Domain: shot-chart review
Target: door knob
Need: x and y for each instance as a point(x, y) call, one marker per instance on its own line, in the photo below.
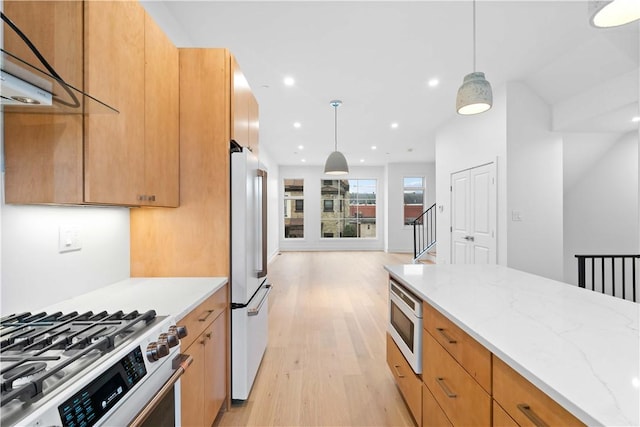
point(469, 238)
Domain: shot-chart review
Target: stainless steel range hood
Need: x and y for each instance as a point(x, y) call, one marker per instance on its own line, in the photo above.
point(28, 89)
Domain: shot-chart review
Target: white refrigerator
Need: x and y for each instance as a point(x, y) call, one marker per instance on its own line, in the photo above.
point(249, 286)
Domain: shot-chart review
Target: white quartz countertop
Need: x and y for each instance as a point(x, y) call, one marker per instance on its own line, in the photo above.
point(174, 296)
point(580, 347)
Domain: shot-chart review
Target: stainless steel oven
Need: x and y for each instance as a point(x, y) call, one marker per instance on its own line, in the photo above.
point(405, 323)
point(91, 369)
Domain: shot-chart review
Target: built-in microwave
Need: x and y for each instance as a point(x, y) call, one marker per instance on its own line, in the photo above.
point(405, 323)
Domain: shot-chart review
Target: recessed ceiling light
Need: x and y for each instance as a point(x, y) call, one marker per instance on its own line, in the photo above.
point(297, 125)
point(433, 82)
point(636, 119)
point(394, 125)
point(373, 147)
point(304, 160)
point(289, 81)
point(300, 147)
point(361, 160)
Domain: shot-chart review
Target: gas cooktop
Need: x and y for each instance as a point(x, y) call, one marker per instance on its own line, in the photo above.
point(41, 352)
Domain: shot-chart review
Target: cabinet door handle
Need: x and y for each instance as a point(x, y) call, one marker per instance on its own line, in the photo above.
point(202, 319)
point(528, 412)
point(398, 371)
point(208, 335)
point(444, 388)
point(446, 336)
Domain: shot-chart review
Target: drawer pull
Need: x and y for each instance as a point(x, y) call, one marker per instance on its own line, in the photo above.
point(528, 412)
point(446, 389)
point(446, 336)
point(398, 371)
point(202, 319)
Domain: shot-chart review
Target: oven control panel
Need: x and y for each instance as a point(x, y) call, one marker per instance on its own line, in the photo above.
point(87, 406)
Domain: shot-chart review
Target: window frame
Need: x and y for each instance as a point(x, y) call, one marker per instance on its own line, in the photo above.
point(423, 188)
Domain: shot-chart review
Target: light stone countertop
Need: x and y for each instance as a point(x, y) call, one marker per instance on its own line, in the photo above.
point(174, 296)
point(580, 347)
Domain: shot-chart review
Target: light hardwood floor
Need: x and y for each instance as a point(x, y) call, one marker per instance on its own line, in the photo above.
point(325, 363)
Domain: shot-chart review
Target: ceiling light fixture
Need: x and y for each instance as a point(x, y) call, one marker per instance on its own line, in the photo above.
point(474, 96)
point(433, 82)
point(636, 119)
point(297, 125)
point(336, 162)
point(373, 147)
point(394, 125)
point(300, 147)
point(613, 13)
point(289, 81)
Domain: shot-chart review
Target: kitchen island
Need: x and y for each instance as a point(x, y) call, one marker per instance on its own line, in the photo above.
point(580, 348)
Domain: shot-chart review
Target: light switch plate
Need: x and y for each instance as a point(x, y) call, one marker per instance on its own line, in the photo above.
point(69, 238)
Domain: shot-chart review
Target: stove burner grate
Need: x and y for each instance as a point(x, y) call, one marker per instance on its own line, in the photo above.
point(28, 341)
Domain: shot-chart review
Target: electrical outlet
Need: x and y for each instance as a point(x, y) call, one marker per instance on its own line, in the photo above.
point(69, 238)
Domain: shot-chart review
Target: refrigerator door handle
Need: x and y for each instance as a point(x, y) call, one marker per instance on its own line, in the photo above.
point(262, 222)
point(254, 311)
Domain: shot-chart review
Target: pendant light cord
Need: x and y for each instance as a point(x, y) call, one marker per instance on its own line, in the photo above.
point(474, 36)
point(335, 109)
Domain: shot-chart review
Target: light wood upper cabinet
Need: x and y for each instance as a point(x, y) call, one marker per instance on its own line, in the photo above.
point(254, 126)
point(161, 116)
point(116, 53)
point(44, 152)
point(194, 239)
point(114, 72)
point(244, 110)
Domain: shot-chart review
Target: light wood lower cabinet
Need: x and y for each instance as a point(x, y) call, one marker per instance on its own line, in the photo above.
point(526, 403)
point(462, 399)
point(432, 413)
point(408, 382)
point(501, 418)
point(203, 387)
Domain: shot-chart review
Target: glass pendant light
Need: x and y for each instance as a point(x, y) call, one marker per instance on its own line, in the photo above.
point(336, 162)
point(475, 95)
point(612, 13)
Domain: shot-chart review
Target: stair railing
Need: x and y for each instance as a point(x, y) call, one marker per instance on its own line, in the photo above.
point(615, 275)
point(424, 232)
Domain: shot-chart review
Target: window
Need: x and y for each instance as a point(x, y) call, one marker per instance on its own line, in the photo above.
point(356, 213)
point(293, 208)
point(413, 203)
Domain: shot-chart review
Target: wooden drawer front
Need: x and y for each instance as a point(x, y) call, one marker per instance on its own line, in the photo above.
point(432, 414)
point(200, 317)
point(468, 352)
point(524, 402)
point(408, 382)
point(501, 418)
point(463, 400)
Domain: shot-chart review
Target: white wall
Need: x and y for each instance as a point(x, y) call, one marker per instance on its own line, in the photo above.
point(601, 208)
point(465, 142)
point(35, 274)
point(535, 189)
point(400, 236)
point(313, 175)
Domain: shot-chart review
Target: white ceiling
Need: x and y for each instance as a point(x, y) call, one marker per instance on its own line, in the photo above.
point(377, 57)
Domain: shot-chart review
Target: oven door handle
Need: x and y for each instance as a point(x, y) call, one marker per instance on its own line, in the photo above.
point(182, 361)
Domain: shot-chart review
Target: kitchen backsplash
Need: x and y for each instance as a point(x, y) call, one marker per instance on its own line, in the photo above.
point(34, 271)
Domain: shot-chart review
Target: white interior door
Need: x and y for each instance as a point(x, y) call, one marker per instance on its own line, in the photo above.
point(473, 216)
